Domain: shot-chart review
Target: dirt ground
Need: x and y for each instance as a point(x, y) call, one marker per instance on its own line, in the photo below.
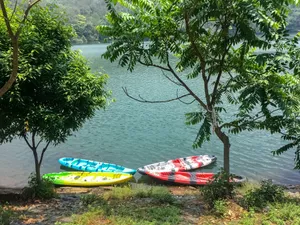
point(60, 209)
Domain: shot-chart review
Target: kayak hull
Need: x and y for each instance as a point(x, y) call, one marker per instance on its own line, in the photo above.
point(87, 179)
point(179, 164)
point(189, 178)
point(93, 166)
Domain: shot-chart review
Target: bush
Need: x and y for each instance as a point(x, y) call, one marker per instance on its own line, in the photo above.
point(220, 207)
point(5, 216)
point(260, 197)
point(219, 188)
point(43, 190)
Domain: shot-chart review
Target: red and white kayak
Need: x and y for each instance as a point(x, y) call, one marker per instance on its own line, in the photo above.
point(179, 164)
point(190, 178)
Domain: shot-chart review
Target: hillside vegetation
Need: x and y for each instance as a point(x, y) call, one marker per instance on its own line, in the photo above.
point(85, 15)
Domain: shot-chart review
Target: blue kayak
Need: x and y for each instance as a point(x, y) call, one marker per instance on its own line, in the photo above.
point(93, 166)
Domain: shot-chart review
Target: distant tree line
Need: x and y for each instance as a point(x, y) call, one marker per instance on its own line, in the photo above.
point(85, 15)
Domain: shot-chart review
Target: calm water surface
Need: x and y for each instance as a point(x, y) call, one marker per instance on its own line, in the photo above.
point(134, 134)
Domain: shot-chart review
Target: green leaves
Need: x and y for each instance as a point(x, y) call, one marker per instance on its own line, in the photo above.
point(240, 51)
point(56, 91)
point(203, 133)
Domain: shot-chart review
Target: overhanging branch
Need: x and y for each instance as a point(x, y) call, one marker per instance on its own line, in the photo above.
point(141, 99)
point(154, 65)
point(173, 81)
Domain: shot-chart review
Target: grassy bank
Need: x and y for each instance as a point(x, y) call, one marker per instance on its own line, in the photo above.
point(143, 204)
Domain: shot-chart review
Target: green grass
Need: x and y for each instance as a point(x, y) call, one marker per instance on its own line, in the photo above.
point(155, 205)
point(278, 213)
point(159, 194)
point(119, 206)
point(128, 213)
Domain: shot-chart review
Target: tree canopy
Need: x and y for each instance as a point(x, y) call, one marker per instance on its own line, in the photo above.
point(55, 92)
point(238, 52)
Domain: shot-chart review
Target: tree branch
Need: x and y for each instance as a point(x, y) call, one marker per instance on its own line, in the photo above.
point(186, 87)
point(252, 118)
point(43, 152)
point(38, 143)
point(15, 8)
point(201, 59)
point(25, 138)
point(141, 99)
point(6, 20)
point(33, 139)
point(25, 16)
point(214, 93)
point(187, 103)
point(179, 84)
point(154, 65)
point(15, 45)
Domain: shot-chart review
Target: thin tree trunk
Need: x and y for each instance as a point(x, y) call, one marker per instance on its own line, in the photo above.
point(225, 140)
point(37, 166)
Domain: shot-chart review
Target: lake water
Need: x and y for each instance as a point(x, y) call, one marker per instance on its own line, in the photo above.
point(133, 134)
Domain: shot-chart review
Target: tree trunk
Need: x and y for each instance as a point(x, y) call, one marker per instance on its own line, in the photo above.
point(37, 166)
point(15, 66)
point(225, 140)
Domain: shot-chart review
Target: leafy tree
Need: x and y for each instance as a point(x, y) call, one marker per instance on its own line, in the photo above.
point(213, 41)
point(13, 32)
point(55, 91)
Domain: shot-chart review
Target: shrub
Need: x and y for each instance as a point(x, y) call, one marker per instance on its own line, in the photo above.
point(260, 197)
point(220, 207)
point(5, 216)
point(40, 190)
point(219, 188)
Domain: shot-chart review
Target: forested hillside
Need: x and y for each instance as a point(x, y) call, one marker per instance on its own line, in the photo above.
point(85, 15)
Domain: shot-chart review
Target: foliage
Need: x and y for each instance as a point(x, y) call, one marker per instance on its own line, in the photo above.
point(55, 92)
point(260, 197)
point(247, 186)
point(83, 16)
point(279, 213)
point(284, 213)
point(39, 190)
point(238, 51)
point(220, 207)
point(218, 189)
point(158, 194)
point(6, 215)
